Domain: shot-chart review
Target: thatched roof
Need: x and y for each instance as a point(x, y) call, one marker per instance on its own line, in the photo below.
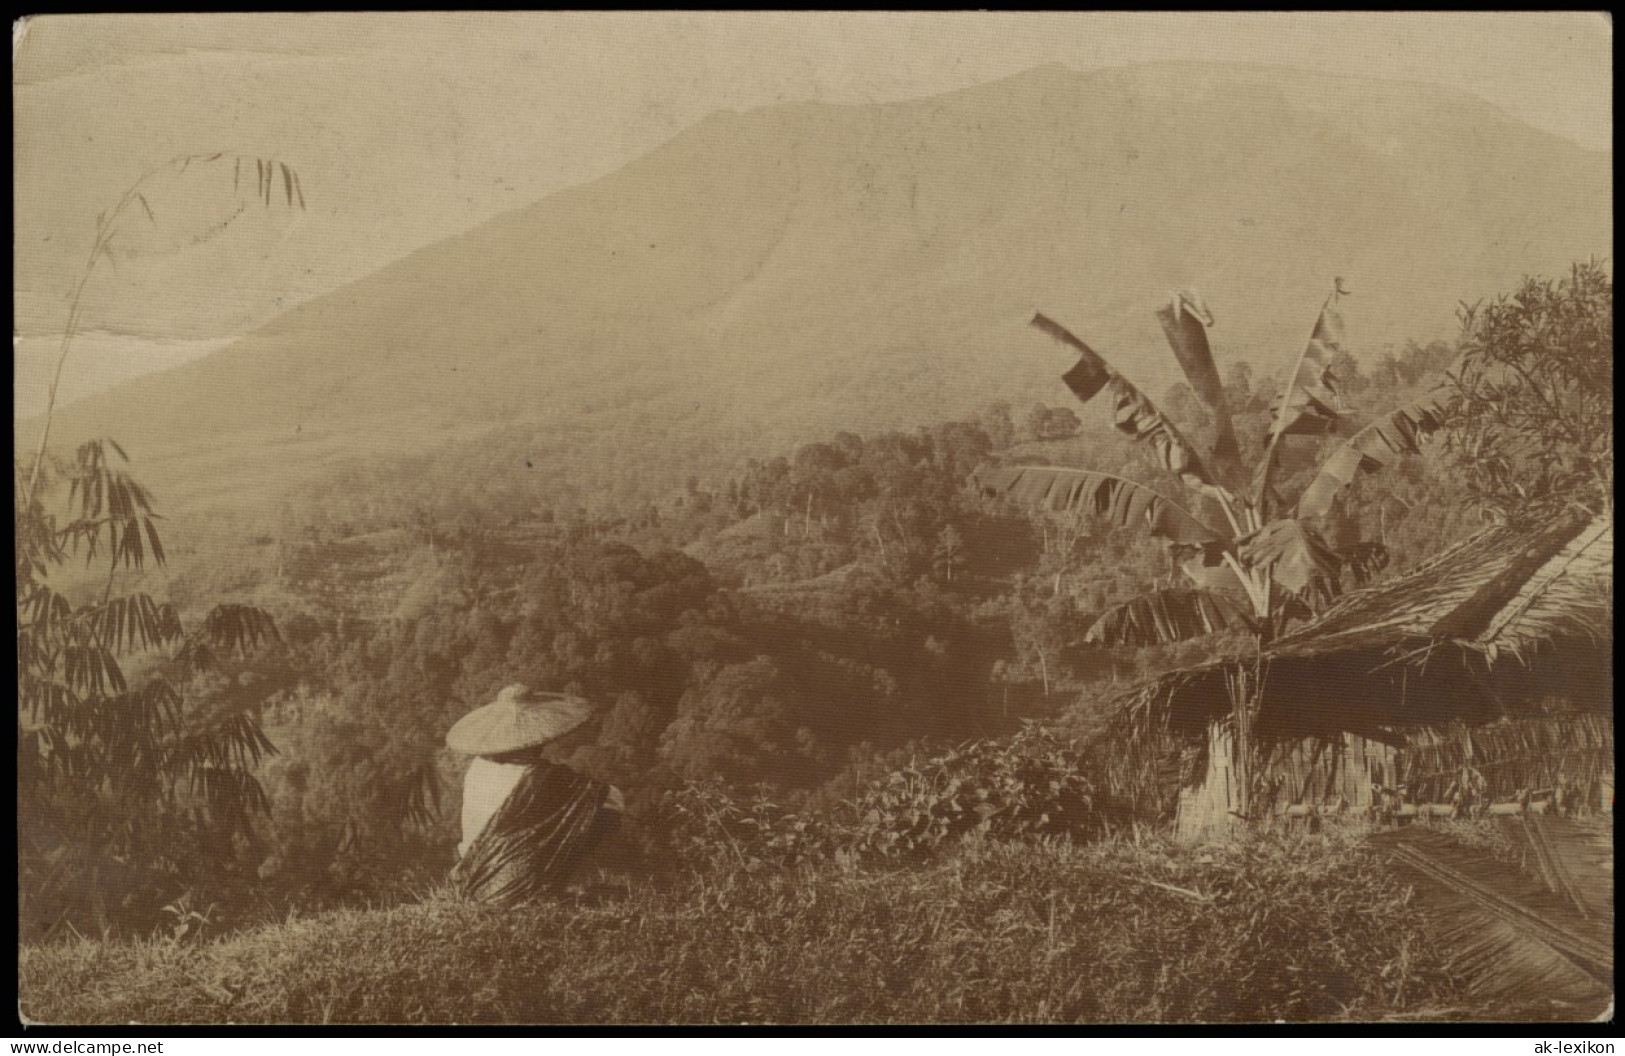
point(1503, 590)
point(1433, 645)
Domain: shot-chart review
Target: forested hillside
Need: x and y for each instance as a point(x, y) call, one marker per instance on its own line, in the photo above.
point(800, 628)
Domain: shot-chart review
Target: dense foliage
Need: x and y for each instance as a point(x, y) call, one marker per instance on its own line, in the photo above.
point(1534, 417)
point(789, 650)
point(136, 738)
point(1029, 786)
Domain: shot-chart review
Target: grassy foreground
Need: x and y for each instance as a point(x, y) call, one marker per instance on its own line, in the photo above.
point(1275, 927)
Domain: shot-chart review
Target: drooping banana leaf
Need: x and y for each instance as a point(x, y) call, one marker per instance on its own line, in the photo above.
point(1297, 558)
point(1162, 616)
point(1396, 434)
point(1209, 571)
point(1183, 324)
point(1309, 405)
point(1310, 400)
point(1121, 503)
point(1132, 412)
point(1092, 371)
point(1136, 416)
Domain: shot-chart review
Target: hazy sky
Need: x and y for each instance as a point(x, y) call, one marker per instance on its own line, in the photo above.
point(410, 128)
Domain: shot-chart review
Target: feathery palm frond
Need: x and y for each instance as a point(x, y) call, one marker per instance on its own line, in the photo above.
point(1574, 861)
point(1509, 936)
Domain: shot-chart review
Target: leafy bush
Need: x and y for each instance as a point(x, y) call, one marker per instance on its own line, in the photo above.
point(1533, 419)
point(1031, 785)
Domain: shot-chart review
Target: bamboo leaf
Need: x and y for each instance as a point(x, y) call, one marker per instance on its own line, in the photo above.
point(1121, 503)
point(143, 200)
point(238, 628)
point(152, 540)
point(299, 191)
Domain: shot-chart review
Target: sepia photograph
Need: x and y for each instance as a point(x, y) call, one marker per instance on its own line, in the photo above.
point(814, 519)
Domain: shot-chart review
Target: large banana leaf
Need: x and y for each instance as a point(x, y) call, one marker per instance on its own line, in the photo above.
point(1163, 616)
point(1209, 571)
point(1309, 406)
point(1132, 412)
point(1310, 401)
point(1183, 324)
point(1121, 503)
point(1386, 440)
point(1297, 558)
point(1136, 416)
point(1092, 371)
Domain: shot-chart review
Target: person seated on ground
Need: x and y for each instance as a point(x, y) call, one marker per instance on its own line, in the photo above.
point(529, 823)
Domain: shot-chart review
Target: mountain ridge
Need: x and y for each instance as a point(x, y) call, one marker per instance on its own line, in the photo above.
point(805, 267)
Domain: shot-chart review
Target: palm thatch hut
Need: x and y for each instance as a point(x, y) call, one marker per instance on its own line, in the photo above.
point(1484, 675)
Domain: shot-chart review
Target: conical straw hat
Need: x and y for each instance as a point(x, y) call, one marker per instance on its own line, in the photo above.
point(518, 719)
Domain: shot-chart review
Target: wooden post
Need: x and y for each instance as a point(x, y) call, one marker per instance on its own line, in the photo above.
point(1241, 746)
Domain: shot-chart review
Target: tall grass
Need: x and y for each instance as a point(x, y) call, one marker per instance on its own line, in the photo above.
point(1301, 928)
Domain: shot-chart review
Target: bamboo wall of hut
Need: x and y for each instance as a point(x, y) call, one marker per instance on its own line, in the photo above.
point(1483, 677)
point(1564, 760)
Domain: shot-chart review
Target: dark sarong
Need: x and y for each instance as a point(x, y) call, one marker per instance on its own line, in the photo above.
point(544, 829)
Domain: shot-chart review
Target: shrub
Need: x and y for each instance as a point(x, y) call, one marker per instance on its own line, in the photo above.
point(1031, 785)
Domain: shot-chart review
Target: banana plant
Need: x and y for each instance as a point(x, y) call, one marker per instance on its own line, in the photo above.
point(1247, 542)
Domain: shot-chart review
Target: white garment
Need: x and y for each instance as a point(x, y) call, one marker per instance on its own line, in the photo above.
point(488, 785)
